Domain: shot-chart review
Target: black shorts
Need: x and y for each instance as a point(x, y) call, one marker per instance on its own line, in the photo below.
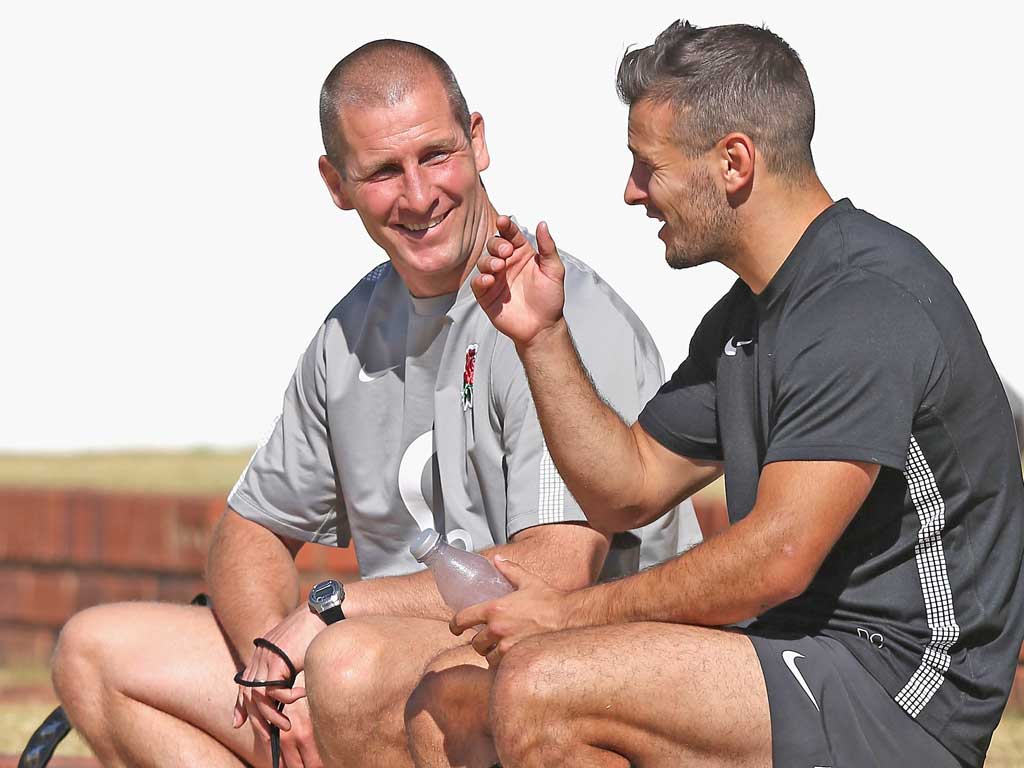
point(828, 712)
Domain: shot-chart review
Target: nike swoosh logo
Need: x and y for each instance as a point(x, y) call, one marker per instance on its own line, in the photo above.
point(790, 658)
point(367, 377)
point(730, 347)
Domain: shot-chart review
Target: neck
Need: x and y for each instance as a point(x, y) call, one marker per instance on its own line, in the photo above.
point(770, 231)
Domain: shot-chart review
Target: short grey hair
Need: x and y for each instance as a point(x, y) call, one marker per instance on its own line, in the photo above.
point(382, 73)
point(724, 79)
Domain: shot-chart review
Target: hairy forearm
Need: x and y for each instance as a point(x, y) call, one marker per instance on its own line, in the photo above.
point(252, 579)
point(594, 450)
point(566, 555)
point(728, 578)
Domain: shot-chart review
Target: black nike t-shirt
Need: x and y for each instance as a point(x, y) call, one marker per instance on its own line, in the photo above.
point(862, 349)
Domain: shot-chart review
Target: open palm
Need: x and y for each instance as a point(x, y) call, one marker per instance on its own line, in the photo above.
point(519, 288)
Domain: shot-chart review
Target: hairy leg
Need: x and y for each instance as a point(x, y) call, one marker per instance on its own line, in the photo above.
point(633, 694)
point(446, 716)
point(151, 684)
point(359, 674)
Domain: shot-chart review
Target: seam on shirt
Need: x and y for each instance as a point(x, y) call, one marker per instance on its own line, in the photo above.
point(301, 533)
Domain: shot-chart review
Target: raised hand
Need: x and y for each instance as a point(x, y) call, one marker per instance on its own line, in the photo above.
point(534, 608)
point(520, 289)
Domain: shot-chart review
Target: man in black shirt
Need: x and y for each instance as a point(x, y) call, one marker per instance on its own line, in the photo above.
point(873, 483)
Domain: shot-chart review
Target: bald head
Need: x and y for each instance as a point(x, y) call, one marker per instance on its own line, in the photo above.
point(381, 74)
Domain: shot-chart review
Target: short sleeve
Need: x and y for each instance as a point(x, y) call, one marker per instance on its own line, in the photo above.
point(683, 415)
point(289, 486)
point(852, 371)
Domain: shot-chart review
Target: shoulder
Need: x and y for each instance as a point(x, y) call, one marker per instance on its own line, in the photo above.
point(856, 315)
point(356, 301)
point(595, 310)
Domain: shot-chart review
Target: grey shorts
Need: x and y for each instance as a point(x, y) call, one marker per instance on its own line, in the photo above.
point(828, 712)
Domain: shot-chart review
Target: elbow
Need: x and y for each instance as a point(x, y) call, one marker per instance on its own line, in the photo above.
point(788, 577)
point(611, 520)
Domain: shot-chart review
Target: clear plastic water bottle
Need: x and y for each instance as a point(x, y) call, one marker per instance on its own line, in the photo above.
point(463, 578)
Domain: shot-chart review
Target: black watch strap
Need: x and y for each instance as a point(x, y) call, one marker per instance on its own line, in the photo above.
point(332, 614)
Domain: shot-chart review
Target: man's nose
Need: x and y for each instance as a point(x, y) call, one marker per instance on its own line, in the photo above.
point(419, 196)
point(634, 193)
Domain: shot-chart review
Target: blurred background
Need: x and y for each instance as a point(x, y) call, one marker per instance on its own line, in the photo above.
point(168, 247)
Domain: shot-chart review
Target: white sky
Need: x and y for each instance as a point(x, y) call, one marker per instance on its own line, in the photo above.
point(168, 248)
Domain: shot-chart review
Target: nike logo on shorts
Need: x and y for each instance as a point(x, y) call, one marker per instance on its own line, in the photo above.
point(790, 658)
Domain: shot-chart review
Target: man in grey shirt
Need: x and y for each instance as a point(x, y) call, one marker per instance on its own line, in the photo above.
point(407, 410)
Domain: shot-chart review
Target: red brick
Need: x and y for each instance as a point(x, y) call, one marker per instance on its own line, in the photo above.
point(38, 597)
point(84, 512)
point(33, 525)
point(97, 588)
point(25, 645)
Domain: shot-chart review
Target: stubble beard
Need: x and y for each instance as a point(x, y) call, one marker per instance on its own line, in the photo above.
point(709, 232)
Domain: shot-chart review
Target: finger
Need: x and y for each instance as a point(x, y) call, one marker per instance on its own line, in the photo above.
point(499, 247)
point(286, 695)
point(469, 617)
point(291, 755)
point(509, 230)
point(518, 576)
point(549, 258)
point(239, 714)
point(484, 642)
point(259, 727)
point(268, 711)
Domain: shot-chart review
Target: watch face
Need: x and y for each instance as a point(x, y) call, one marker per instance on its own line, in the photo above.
point(326, 594)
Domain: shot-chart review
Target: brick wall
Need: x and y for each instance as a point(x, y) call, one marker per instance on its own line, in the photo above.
point(64, 550)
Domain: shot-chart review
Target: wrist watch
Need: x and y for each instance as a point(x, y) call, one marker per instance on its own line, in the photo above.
point(325, 601)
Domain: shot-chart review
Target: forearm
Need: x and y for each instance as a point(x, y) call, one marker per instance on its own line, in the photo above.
point(729, 578)
point(594, 450)
point(567, 556)
point(252, 579)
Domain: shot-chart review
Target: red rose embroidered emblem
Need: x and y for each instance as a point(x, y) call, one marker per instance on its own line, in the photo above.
point(467, 377)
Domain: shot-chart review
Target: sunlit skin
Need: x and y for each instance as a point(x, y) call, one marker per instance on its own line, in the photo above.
point(413, 177)
point(677, 189)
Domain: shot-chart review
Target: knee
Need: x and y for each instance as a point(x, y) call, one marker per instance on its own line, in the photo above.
point(346, 662)
point(447, 715)
point(440, 696)
point(529, 681)
point(79, 666)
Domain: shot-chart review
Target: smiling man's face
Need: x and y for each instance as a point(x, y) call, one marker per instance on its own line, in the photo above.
point(677, 189)
point(413, 176)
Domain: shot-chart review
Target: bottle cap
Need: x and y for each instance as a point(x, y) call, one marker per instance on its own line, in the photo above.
point(423, 543)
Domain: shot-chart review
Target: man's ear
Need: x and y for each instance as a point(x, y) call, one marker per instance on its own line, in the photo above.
point(479, 142)
point(332, 178)
point(738, 155)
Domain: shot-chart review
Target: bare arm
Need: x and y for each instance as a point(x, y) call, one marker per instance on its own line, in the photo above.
point(769, 557)
point(252, 578)
point(619, 475)
point(567, 555)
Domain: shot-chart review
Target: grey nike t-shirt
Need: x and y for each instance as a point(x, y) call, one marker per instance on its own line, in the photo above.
point(407, 413)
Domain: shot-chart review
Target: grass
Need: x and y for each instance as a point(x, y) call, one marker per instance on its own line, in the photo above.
point(194, 471)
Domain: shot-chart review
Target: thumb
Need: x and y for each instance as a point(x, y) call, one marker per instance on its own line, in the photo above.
point(286, 695)
point(518, 576)
point(549, 258)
